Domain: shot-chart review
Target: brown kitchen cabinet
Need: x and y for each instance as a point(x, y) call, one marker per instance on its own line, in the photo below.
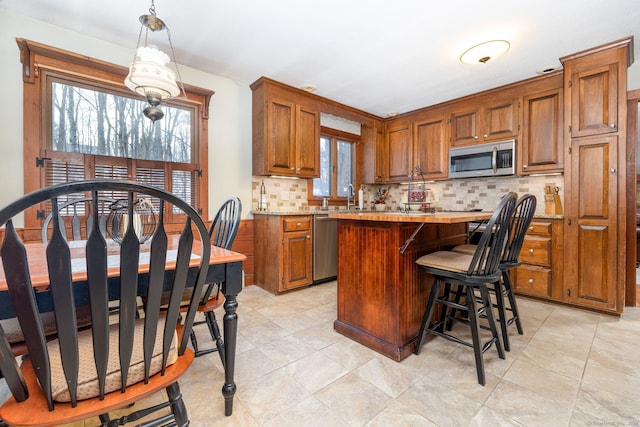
point(286, 131)
point(283, 252)
point(399, 149)
point(373, 154)
point(431, 142)
point(595, 235)
point(542, 135)
point(540, 274)
point(476, 121)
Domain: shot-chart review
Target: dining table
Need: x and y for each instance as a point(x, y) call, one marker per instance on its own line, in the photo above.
point(225, 267)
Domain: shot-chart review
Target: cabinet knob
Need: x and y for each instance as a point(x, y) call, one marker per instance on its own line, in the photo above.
point(308, 237)
point(524, 166)
point(531, 251)
point(485, 135)
point(612, 170)
point(298, 224)
point(530, 280)
point(475, 137)
point(612, 125)
point(292, 168)
point(531, 228)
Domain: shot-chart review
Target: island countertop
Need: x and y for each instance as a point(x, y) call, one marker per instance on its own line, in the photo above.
point(434, 218)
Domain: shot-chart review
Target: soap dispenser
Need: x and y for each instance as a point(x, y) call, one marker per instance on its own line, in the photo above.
point(361, 198)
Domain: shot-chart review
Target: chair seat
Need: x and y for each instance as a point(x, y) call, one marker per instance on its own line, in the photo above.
point(88, 378)
point(33, 411)
point(465, 249)
point(446, 260)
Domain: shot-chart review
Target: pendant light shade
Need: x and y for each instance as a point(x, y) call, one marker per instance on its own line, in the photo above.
point(149, 74)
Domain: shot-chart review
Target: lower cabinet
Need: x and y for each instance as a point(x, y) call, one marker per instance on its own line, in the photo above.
point(283, 251)
point(540, 274)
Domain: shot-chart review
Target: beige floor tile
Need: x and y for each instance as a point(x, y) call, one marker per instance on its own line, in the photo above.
point(614, 381)
point(612, 408)
point(439, 403)
point(353, 400)
point(315, 372)
point(309, 413)
point(271, 394)
point(388, 375)
point(527, 407)
point(542, 381)
point(396, 414)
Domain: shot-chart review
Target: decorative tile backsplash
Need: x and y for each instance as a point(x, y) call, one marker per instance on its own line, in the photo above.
point(286, 195)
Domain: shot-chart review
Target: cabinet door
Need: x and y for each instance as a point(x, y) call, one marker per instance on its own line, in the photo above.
point(591, 232)
point(281, 155)
point(432, 147)
point(382, 157)
point(400, 151)
point(542, 136)
point(307, 142)
point(500, 120)
point(297, 259)
point(464, 127)
point(594, 101)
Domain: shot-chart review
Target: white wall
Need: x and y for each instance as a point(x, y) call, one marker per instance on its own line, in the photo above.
point(229, 114)
point(633, 75)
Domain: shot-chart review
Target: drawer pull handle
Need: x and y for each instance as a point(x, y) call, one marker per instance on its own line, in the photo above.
point(531, 251)
point(530, 280)
point(298, 224)
point(531, 228)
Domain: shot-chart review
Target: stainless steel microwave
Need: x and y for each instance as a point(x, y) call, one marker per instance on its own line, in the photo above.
point(492, 159)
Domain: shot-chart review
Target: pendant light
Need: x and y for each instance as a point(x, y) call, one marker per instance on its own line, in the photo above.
point(149, 73)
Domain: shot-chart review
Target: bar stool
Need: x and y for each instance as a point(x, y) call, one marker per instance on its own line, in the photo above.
point(468, 273)
point(503, 289)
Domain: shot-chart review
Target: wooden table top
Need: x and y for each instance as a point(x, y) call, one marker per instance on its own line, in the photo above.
point(36, 253)
point(435, 218)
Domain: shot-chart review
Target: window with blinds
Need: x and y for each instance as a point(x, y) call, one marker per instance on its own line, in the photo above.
point(106, 136)
point(82, 122)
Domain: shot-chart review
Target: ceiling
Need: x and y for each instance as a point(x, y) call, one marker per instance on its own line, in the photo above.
point(378, 56)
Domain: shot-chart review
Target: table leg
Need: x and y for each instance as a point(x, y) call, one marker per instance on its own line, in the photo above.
point(231, 288)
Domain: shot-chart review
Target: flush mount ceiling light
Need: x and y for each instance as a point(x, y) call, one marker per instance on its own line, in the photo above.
point(308, 87)
point(485, 52)
point(149, 75)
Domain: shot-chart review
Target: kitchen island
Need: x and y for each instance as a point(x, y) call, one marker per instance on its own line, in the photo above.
point(381, 292)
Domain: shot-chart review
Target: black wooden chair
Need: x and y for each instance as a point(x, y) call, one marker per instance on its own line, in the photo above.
point(121, 358)
point(503, 288)
point(468, 273)
point(223, 232)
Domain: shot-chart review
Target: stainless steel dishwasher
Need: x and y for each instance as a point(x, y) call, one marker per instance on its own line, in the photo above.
point(325, 248)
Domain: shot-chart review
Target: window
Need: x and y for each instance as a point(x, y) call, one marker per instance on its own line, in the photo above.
point(86, 124)
point(337, 164)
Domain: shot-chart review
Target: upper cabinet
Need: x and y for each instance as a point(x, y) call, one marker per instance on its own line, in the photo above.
point(476, 121)
point(594, 97)
point(431, 142)
point(542, 139)
point(286, 132)
point(399, 149)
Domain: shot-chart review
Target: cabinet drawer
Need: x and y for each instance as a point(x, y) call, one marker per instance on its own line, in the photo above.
point(533, 280)
point(297, 223)
point(540, 228)
point(536, 250)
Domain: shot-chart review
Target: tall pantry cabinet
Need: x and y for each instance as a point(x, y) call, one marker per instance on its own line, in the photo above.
point(595, 85)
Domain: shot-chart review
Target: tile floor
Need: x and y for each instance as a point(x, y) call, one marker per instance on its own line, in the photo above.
point(570, 368)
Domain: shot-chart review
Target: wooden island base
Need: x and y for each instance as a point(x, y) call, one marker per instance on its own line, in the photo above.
point(381, 292)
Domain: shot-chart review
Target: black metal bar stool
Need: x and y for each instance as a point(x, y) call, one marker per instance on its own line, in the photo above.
point(469, 273)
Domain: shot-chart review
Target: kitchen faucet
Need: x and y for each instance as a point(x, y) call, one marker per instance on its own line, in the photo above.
point(350, 193)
